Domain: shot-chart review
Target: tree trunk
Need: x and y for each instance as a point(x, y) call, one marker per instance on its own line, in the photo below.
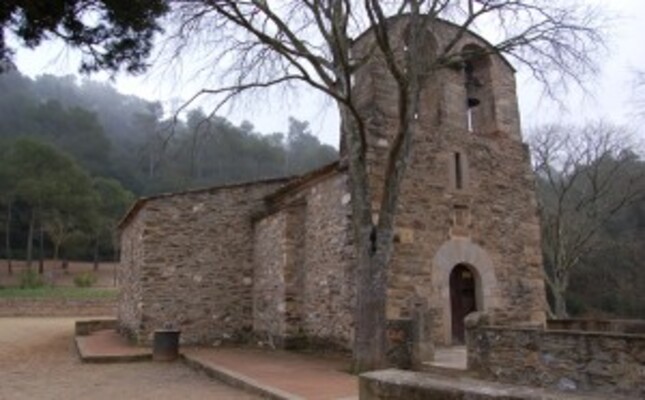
point(114, 275)
point(56, 250)
point(370, 323)
point(560, 304)
point(8, 239)
point(41, 250)
point(96, 254)
point(371, 297)
point(30, 239)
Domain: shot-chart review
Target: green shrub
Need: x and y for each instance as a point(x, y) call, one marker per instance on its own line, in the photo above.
point(86, 279)
point(30, 279)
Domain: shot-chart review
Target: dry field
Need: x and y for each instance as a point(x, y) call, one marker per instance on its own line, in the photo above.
point(55, 275)
point(37, 361)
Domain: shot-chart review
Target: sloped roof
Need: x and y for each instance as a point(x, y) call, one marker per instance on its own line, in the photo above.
point(291, 183)
point(142, 201)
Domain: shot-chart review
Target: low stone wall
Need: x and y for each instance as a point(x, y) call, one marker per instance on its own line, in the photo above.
point(402, 385)
point(57, 308)
point(598, 325)
point(604, 362)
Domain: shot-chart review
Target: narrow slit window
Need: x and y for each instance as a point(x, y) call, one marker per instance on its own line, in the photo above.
point(459, 173)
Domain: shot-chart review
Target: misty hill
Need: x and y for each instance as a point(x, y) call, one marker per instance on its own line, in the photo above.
point(127, 138)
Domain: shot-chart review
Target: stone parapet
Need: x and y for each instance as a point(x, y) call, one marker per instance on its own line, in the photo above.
point(394, 384)
point(598, 325)
point(606, 362)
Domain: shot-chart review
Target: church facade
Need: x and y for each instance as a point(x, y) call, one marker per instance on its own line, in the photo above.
point(273, 260)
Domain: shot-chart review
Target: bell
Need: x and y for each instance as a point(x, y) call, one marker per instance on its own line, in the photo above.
point(472, 102)
point(472, 84)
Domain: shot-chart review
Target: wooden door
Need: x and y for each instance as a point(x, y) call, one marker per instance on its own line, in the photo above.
point(463, 300)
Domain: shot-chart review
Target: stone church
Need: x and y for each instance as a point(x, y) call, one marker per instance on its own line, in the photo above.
point(272, 259)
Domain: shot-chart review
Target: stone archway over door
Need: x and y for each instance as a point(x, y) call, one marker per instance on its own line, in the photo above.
point(451, 254)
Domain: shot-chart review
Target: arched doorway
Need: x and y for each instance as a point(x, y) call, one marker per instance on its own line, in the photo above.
point(450, 254)
point(463, 299)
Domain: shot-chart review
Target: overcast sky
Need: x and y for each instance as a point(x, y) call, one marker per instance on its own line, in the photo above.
point(610, 96)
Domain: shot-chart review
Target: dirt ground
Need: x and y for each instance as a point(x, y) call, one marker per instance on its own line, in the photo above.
point(37, 361)
point(54, 274)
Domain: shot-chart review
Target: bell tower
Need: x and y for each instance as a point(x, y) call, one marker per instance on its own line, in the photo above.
point(468, 195)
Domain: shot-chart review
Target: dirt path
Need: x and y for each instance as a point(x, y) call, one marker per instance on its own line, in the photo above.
point(37, 361)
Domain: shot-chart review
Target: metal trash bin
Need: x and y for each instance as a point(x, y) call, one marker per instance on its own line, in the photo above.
point(166, 345)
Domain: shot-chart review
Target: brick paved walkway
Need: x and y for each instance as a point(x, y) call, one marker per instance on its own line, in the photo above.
point(279, 374)
point(271, 374)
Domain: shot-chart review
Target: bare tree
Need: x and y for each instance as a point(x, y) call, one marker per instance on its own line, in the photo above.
point(585, 176)
point(259, 44)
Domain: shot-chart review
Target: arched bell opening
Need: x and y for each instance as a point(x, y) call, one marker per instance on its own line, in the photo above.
point(480, 104)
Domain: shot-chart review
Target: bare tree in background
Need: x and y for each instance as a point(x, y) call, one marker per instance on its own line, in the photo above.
point(258, 44)
point(585, 176)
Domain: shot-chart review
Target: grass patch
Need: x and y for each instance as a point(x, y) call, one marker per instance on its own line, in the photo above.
point(67, 293)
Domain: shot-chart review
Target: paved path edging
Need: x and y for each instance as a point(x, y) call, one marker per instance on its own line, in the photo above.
point(105, 347)
point(239, 381)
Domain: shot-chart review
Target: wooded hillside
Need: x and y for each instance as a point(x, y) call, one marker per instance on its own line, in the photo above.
point(74, 155)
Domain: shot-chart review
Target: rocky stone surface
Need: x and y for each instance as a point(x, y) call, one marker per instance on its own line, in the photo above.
point(303, 252)
point(399, 385)
point(269, 287)
point(187, 262)
point(604, 362)
point(130, 276)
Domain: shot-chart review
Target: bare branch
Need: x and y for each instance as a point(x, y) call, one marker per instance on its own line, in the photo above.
point(585, 176)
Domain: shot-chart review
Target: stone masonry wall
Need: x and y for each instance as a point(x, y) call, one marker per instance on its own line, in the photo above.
point(328, 283)
point(278, 276)
point(391, 384)
point(599, 325)
point(603, 362)
point(294, 273)
point(129, 276)
point(304, 280)
point(195, 257)
point(269, 303)
point(499, 221)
